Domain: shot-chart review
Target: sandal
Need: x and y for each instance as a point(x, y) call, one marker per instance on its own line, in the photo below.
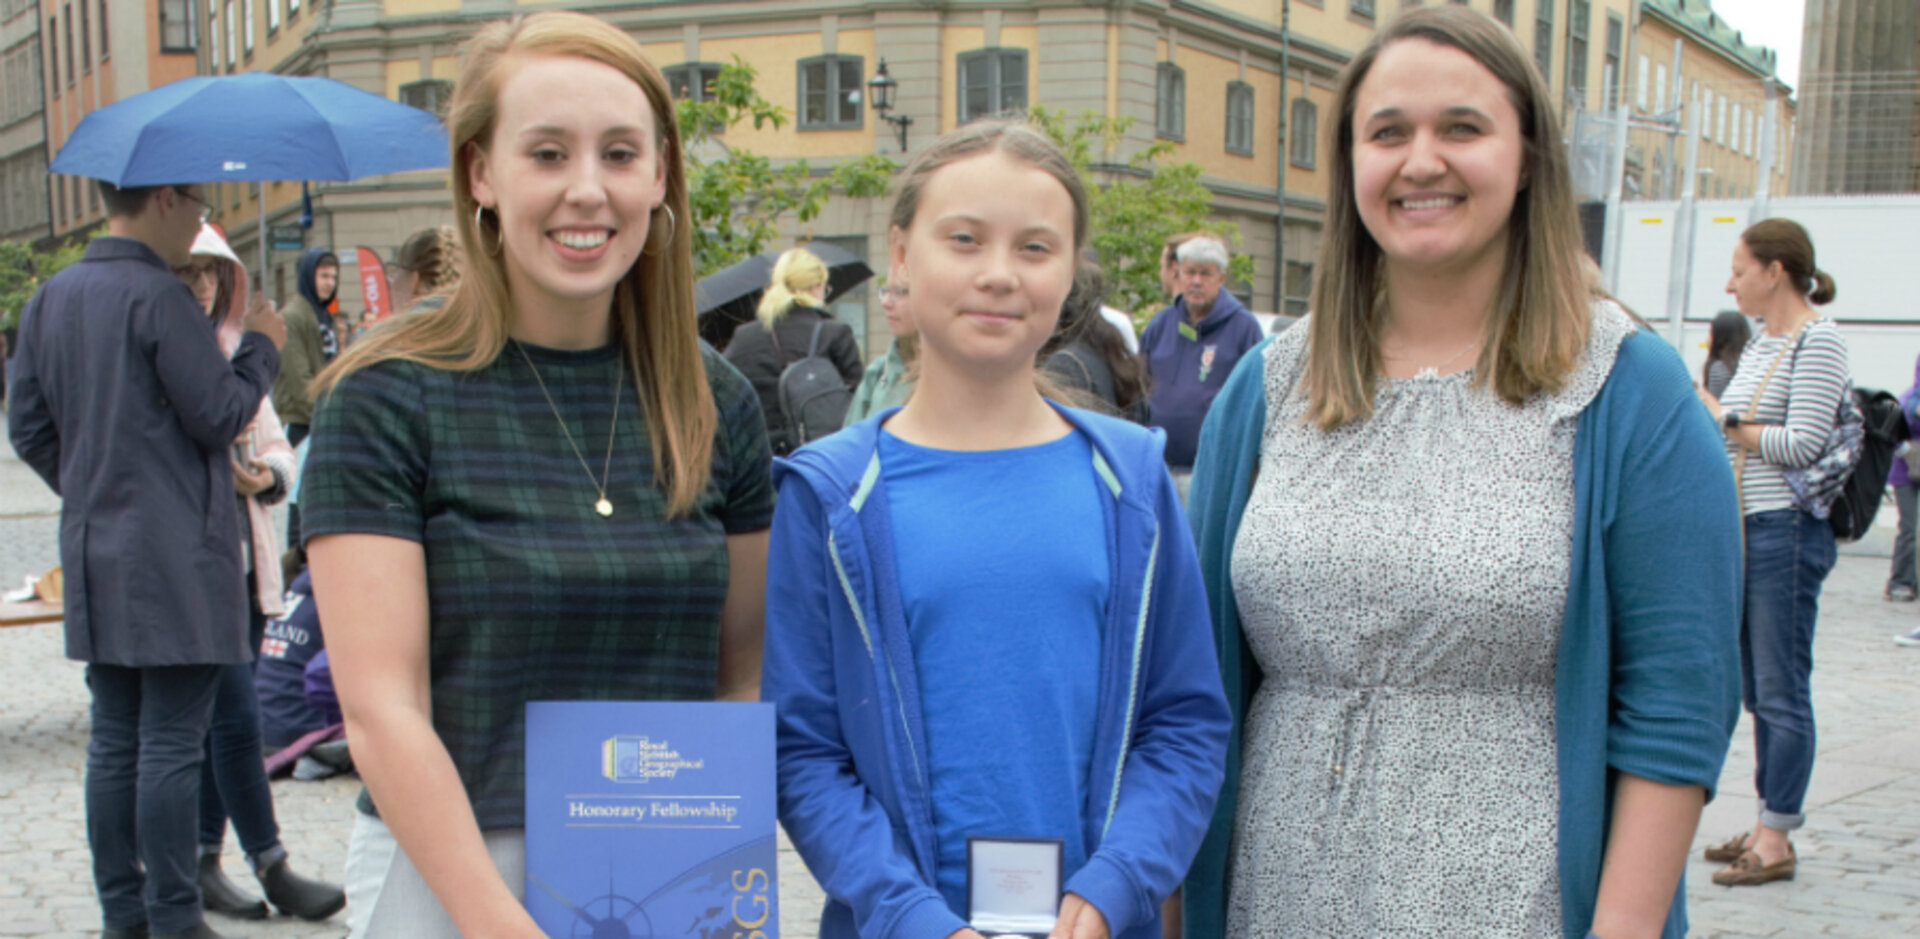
point(1749, 871)
point(1729, 850)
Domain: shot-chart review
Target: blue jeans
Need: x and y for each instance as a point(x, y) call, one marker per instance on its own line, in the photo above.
point(142, 790)
point(1904, 572)
point(233, 783)
point(1789, 554)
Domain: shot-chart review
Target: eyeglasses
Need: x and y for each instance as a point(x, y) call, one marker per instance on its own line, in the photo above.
point(192, 273)
point(206, 208)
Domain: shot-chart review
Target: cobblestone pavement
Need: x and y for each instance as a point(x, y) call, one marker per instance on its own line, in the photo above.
point(1859, 854)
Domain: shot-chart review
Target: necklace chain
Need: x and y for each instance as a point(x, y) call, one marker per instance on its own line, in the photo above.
point(602, 506)
point(1433, 371)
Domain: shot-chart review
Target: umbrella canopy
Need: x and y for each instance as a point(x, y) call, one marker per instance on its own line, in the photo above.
point(726, 298)
point(252, 126)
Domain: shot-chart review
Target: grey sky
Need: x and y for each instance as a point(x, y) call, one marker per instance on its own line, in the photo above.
point(1771, 23)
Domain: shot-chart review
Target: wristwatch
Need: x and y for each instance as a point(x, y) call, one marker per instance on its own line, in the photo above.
point(1730, 420)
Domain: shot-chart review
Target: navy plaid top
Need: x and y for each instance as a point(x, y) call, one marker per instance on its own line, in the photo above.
point(532, 595)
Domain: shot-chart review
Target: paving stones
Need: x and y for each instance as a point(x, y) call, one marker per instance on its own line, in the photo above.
point(1859, 853)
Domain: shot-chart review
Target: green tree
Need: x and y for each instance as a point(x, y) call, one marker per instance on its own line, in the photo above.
point(738, 196)
point(1134, 208)
point(22, 270)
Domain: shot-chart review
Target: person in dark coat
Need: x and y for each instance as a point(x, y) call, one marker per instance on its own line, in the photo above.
point(788, 313)
point(1191, 346)
point(1093, 361)
point(120, 398)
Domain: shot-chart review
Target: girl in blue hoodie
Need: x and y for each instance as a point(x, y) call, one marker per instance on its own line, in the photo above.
point(984, 614)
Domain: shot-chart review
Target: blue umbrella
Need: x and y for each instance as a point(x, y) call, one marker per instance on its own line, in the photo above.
point(252, 126)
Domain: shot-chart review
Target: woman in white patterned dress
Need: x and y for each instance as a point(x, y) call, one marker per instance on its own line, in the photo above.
point(1483, 689)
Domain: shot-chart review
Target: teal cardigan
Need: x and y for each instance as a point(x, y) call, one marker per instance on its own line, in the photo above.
point(1647, 678)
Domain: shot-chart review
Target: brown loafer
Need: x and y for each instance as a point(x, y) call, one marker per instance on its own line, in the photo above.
point(1749, 871)
point(1728, 851)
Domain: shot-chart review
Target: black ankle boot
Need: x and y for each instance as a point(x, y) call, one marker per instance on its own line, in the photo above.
point(223, 896)
point(294, 895)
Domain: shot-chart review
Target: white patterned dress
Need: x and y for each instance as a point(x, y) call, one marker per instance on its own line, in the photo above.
point(1401, 583)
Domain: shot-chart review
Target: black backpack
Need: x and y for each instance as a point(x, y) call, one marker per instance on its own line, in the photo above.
point(813, 396)
point(1859, 500)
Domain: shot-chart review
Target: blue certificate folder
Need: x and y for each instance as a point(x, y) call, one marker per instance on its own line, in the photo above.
point(651, 819)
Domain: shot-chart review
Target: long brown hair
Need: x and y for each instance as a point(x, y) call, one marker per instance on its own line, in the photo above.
point(1542, 311)
point(653, 313)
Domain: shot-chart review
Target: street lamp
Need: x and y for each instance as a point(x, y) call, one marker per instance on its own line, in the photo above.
point(880, 91)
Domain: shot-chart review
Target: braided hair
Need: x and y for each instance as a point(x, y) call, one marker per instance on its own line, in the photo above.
point(433, 254)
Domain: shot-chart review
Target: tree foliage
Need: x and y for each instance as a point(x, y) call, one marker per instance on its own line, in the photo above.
point(737, 196)
point(1134, 209)
point(23, 270)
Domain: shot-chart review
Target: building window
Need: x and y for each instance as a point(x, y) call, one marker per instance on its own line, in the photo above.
point(246, 26)
point(86, 37)
point(71, 70)
point(273, 16)
point(1616, 40)
point(1170, 101)
point(1543, 36)
point(1503, 11)
point(1660, 86)
point(1240, 118)
point(213, 36)
point(293, 6)
point(691, 81)
point(1303, 132)
point(227, 24)
point(992, 81)
point(104, 30)
point(1579, 13)
point(1299, 287)
point(1361, 8)
point(830, 90)
point(53, 51)
point(430, 95)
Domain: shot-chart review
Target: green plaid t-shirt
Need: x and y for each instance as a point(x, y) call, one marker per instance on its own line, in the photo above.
point(531, 594)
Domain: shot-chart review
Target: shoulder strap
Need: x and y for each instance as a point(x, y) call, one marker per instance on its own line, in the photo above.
point(773, 333)
point(1753, 406)
point(813, 345)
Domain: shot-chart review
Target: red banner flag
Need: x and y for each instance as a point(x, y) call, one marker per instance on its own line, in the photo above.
point(373, 288)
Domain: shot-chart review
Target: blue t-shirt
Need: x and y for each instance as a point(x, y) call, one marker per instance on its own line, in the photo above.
point(1003, 560)
point(279, 676)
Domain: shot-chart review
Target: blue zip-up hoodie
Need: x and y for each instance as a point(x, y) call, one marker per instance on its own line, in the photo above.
point(1188, 372)
point(854, 792)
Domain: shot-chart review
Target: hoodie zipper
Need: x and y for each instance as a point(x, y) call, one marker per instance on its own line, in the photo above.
point(1133, 679)
point(860, 617)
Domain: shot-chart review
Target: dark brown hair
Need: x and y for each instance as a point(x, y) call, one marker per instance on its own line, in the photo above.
point(1784, 241)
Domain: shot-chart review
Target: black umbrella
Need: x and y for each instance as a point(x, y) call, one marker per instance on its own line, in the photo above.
point(726, 298)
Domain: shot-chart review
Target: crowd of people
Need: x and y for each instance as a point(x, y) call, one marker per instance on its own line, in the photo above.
point(1372, 625)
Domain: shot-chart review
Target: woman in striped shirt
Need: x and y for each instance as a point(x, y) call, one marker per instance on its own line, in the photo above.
point(1778, 413)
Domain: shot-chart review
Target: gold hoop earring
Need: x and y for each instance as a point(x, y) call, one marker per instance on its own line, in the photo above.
point(480, 230)
point(673, 223)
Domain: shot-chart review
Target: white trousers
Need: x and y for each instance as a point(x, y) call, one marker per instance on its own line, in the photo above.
point(388, 899)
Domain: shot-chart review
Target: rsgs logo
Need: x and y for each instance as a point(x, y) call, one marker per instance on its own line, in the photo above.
point(751, 886)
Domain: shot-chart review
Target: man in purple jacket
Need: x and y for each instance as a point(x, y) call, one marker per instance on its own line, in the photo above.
point(120, 398)
point(1191, 346)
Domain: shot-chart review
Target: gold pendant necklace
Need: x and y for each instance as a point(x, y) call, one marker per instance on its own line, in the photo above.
point(602, 506)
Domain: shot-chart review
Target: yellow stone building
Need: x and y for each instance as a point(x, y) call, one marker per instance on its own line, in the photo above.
point(1205, 74)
